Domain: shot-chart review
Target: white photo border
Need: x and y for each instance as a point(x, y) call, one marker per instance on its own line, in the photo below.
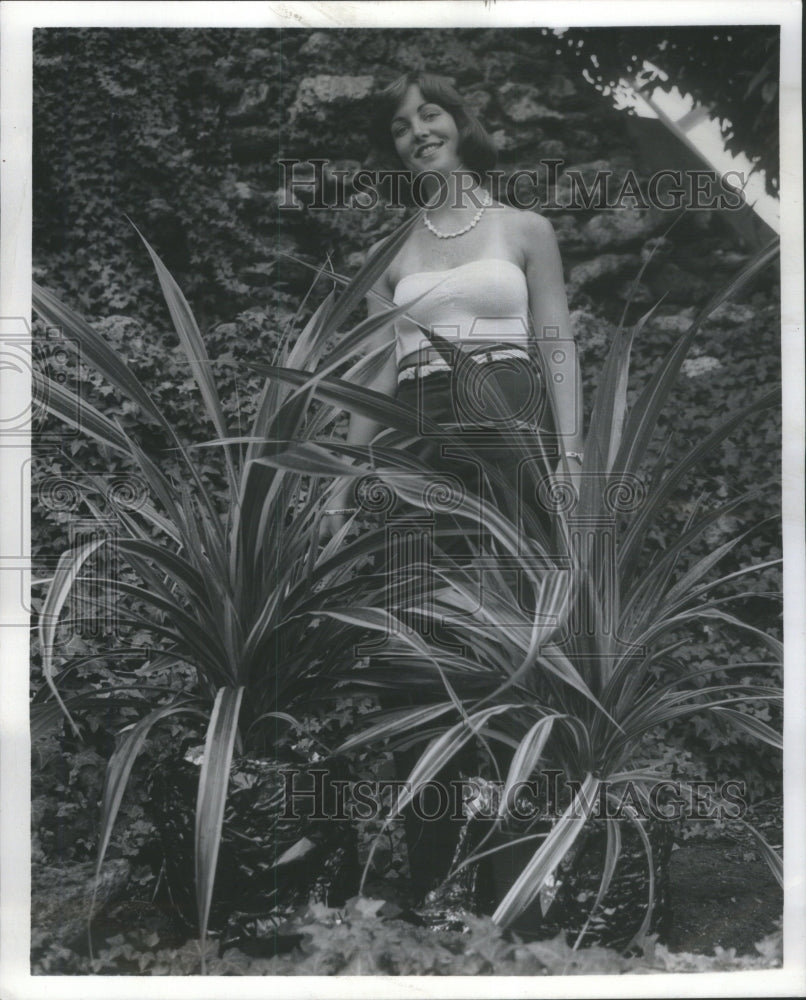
point(17, 20)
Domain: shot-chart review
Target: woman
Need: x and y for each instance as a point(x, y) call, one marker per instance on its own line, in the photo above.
point(488, 285)
point(490, 276)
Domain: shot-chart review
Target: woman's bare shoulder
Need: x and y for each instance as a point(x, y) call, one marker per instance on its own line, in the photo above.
point(527, 221)
point(533, 233)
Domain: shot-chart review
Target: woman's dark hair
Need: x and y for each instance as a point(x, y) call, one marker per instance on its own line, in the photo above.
point(476, 148)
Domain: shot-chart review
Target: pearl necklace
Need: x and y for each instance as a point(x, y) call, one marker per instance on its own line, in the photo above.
point(486, 201)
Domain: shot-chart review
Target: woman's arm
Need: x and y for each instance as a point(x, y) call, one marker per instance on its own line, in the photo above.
point(362, 429)
point(552, 326)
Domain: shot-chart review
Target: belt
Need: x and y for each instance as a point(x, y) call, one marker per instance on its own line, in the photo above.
point(420, 369)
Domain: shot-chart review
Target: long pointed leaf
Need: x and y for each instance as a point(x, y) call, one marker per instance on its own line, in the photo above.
point(213, 784)
point(68, 568)
point(629, 551)
point(770, 855)
point(559, 842)
point(95, 351)
point(526, 759)
point(118, 771)
point(752, 726)
point(612, 854)
point(643, 417)
point(390, 725)
point(193, 345)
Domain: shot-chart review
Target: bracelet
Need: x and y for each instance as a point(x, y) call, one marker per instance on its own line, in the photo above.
point(341, 510)
point(575, 454)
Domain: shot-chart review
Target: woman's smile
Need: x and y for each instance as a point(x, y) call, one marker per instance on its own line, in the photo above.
point(424, 132)
point(427, 150)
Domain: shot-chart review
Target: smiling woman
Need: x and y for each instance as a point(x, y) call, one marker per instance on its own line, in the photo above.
point(483, 346)
point(423, 132)
point(424, 105)
point(484, 276)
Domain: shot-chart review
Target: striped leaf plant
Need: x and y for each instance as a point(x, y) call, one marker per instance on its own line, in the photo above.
point(572, 680)
point(243, 591)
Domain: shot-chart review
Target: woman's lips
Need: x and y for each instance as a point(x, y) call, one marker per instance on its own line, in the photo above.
point(427, 149)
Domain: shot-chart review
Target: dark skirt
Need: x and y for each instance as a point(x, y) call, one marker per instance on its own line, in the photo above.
point(502, 455)
point(494, 403)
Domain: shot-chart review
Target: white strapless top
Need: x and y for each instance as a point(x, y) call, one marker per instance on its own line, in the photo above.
point(482, 301)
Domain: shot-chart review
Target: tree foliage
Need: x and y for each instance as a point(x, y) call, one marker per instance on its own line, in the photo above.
point(731, 70)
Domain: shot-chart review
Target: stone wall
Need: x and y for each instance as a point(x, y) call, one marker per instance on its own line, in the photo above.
point(536, 110)
point(183, 131)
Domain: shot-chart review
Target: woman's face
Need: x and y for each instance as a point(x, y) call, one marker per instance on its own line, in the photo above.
point(425, 134)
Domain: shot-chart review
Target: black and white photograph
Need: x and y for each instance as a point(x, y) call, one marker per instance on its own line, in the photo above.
point(403, 497)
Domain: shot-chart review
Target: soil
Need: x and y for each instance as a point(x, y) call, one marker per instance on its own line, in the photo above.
point(721, 894)
point(721, 897)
